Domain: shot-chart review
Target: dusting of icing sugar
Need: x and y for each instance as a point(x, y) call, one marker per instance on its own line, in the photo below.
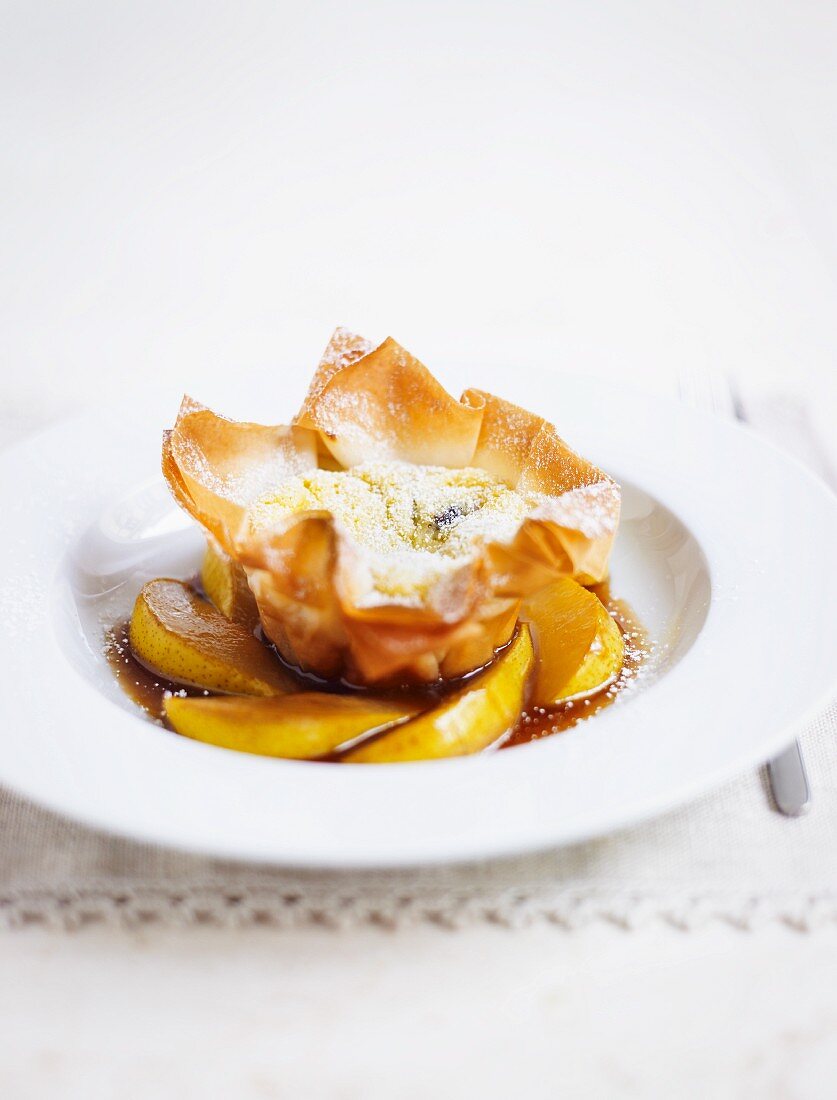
point(392, 409)
point(591, 509)
point(346, 414)
point(516, 427)
point(22, 601)
point(344, 348)
point(408, 526)
point(288, 454)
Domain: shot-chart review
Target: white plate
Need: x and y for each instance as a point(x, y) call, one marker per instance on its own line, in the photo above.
point(726, 551)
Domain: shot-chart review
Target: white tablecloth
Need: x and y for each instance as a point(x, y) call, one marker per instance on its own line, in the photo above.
point(191, 190)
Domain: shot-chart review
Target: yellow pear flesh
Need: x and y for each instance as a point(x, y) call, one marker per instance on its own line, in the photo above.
point(469, 720)
point(601, 665)
point(225, 583)
point(580, 648)
point(184, 638)
point(298, 727)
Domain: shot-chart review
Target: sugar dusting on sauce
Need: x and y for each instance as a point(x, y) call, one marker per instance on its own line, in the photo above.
point(145, 688)
point(537, 722)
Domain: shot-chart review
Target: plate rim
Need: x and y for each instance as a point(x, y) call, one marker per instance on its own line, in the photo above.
point(471, 849)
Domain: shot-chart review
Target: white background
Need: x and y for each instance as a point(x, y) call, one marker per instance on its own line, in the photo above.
point(194, 192)
point(191, 189)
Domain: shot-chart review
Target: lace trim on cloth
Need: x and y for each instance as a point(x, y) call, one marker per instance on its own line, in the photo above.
point(138, 907)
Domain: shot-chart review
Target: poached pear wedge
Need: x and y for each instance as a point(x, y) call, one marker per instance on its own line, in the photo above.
point(467, 721)
point(602, 662)
point(580, 648)
point(184, 638)
point(225, 583)
point(301, 726)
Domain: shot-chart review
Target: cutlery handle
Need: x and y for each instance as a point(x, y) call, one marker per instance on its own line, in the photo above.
point(789, 781)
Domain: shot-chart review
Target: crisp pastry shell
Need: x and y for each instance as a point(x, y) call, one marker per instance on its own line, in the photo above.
point(371, 403)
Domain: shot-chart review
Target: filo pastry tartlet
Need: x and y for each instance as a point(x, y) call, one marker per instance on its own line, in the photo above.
point(390, 533)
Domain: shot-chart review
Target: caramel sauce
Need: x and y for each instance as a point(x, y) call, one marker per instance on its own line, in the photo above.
point(142, 685)
point(537, 723)
point(145, 688)
point(148, 689)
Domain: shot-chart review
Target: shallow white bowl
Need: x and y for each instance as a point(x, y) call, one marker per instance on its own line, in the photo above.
point(725, 552)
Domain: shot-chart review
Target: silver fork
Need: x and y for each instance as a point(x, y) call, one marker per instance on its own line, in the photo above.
point(786, 774)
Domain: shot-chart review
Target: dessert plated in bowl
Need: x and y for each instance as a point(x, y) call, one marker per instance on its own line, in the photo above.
point(395, 575)
point(708, 552)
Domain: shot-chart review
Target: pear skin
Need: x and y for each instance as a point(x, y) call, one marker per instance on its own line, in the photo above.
point(184, 638)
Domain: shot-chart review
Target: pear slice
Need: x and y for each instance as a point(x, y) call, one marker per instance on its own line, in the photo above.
point(298, 727)
point(467, 721)
point(580, 648)
point(225, 583)
point(184, 638)
point(601, 665)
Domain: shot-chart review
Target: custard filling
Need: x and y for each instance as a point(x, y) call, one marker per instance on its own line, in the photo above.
point(409, 524)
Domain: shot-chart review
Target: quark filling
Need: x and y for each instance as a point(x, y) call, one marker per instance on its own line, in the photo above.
point(410, 525)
